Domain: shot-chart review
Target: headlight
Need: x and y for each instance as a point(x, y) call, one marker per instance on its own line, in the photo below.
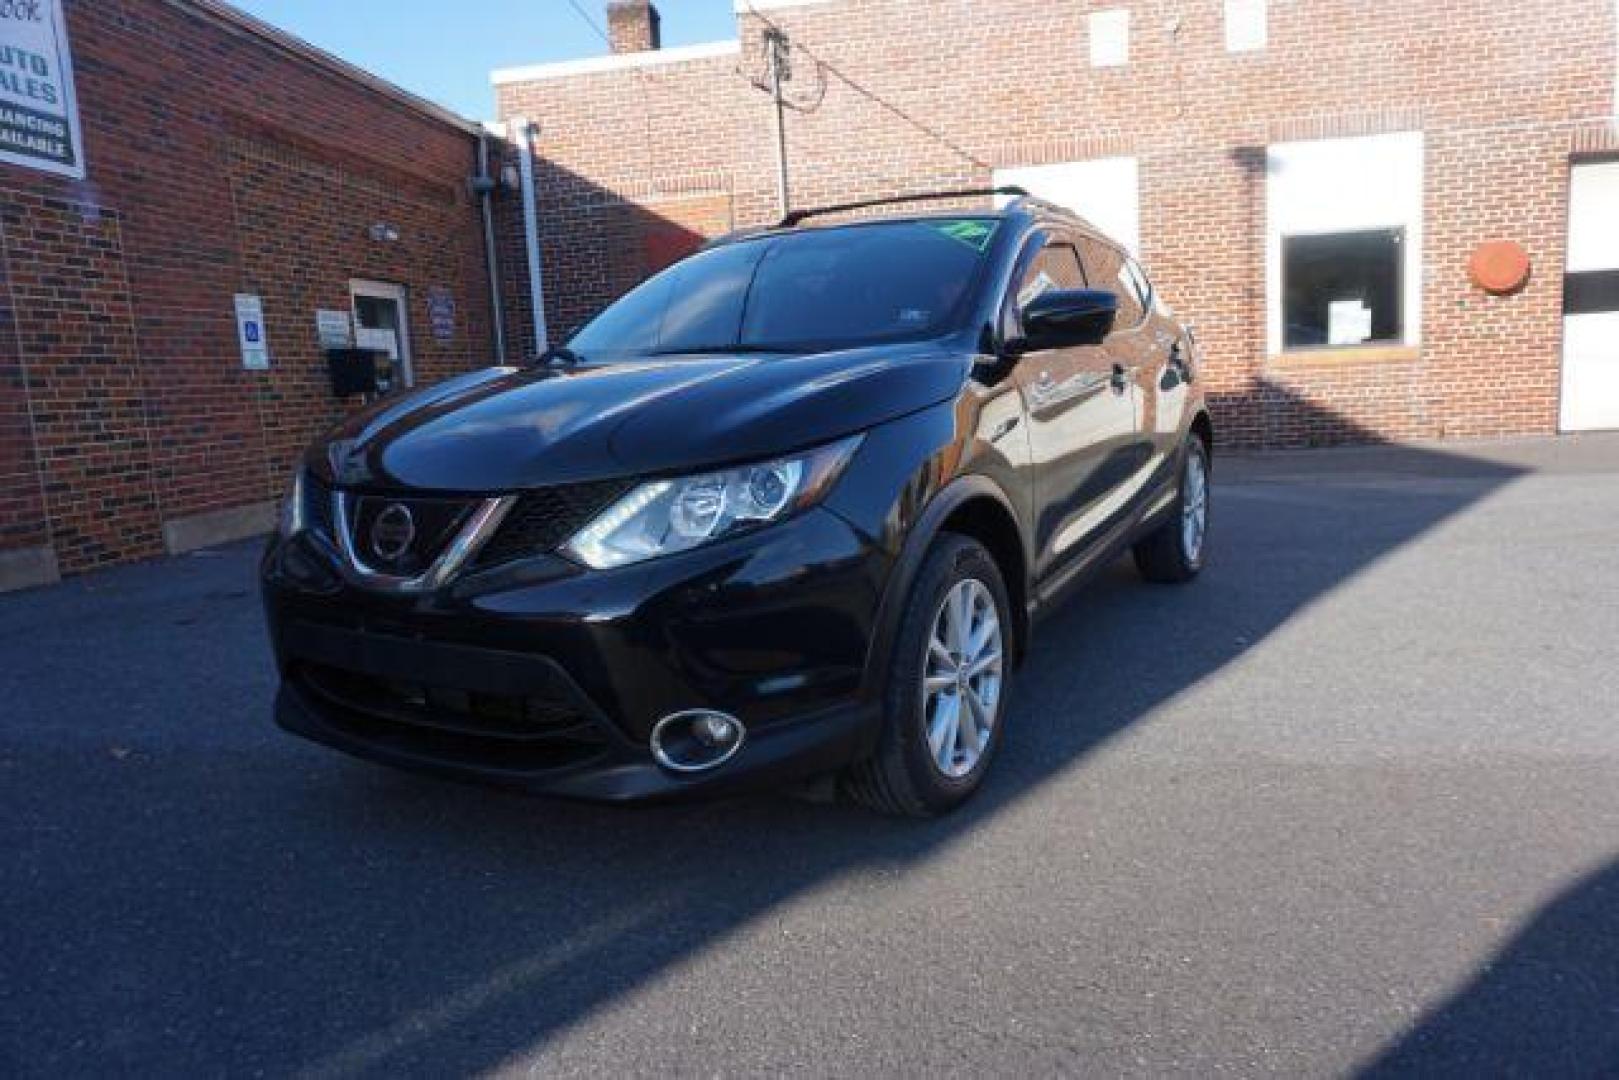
point(666, 516)
point(293, 520)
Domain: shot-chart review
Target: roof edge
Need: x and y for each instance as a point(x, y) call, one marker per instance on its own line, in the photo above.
point(750, 7)
point(240, 21)
point(591, 65)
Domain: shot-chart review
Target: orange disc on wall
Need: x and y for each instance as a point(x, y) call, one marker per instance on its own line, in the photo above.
point(1499, 266)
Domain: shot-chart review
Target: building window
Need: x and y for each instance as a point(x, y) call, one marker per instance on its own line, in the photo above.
point(1344, 242)
point(1245, 29)
point(1342, 288)
point(1110, 37)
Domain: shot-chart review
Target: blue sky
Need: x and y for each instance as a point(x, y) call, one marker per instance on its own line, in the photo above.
point(444, 51)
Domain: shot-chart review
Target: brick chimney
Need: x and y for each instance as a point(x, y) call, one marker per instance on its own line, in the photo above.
point(634, 26)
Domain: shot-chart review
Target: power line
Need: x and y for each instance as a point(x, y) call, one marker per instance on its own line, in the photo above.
point(590, 22)
point(644, 76)
point(825, 67)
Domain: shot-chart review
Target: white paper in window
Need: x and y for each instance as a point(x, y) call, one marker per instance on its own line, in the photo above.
point(380, 340)
point(1349, 322)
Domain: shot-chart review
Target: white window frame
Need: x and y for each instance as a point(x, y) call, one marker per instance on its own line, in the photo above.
point(1327, 186)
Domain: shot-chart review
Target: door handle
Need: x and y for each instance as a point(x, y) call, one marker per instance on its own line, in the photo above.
point(1122, 376)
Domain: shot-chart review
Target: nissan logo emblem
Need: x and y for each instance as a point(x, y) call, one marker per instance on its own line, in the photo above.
point(392, 532)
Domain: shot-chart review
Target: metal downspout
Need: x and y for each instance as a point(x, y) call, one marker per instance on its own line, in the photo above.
point(527, 133)
point(486, 189)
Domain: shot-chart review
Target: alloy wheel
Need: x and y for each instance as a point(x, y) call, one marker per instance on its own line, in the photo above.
point(961, 682)
point(1194, 506)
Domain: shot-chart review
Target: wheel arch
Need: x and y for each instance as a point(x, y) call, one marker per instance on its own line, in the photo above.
point(973, 506)
point(1203, 427)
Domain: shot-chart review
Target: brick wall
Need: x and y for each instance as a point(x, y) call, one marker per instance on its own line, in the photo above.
point(928, 95)
point(218, 162)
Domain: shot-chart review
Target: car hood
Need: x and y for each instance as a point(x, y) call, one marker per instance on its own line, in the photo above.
point(505, 429)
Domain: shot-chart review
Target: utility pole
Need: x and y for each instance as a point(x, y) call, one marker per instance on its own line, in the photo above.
point(778, 47)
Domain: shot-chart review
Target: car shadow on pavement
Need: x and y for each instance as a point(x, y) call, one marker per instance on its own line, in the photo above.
point(191, 891)
point(1546, 1005)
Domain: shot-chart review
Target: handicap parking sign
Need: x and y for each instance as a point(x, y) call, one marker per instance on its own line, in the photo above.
point(250, 332)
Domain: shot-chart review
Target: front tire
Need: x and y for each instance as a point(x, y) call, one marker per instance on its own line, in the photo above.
point(946, 693)
point(1174, 552)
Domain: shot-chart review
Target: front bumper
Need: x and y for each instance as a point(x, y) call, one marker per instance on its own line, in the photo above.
point(550, 678)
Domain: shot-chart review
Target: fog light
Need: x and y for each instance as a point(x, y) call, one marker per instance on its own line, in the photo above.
point(697, 740)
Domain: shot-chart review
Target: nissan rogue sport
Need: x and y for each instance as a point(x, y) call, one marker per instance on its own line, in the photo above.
point(788, 509)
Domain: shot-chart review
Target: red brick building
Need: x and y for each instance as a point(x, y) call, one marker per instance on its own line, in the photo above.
point(218, 157)
point(1308, 180)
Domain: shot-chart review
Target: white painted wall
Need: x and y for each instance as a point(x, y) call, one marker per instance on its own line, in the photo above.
point(1344, 185)
point(1104, 191)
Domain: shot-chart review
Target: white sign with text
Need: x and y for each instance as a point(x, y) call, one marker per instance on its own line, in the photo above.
point(39, 112)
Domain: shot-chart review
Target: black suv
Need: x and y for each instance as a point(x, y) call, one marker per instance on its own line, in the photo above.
point(787, 509)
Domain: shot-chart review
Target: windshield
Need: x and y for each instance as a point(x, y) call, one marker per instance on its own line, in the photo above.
point(800, 291)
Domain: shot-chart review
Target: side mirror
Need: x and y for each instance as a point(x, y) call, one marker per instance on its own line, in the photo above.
point(1062, 318)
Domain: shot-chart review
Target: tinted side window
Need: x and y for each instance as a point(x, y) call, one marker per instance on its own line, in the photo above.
point(1054, 266)
point(1105, 265)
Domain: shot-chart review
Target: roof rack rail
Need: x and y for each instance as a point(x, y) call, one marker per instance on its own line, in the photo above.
point(797, 216)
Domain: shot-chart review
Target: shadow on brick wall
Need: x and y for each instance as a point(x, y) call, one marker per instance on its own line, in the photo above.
point(596, 245)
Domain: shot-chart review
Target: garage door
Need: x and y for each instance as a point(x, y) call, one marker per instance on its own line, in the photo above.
point(1591, 300)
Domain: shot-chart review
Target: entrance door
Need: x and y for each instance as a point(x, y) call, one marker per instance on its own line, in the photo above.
point(1591, 300)
point(381, 322)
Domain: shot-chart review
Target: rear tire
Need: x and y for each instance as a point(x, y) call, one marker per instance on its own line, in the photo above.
point(946, 695)
point(1174, 552)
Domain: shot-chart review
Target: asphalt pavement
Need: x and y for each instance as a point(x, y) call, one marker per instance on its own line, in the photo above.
point(1349, 803)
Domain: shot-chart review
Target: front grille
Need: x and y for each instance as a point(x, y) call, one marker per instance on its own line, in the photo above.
point(544, 518)
point(535, 731)
point(403, 534)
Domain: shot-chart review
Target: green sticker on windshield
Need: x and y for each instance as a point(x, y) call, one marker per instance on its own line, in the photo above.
point(974, 232)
